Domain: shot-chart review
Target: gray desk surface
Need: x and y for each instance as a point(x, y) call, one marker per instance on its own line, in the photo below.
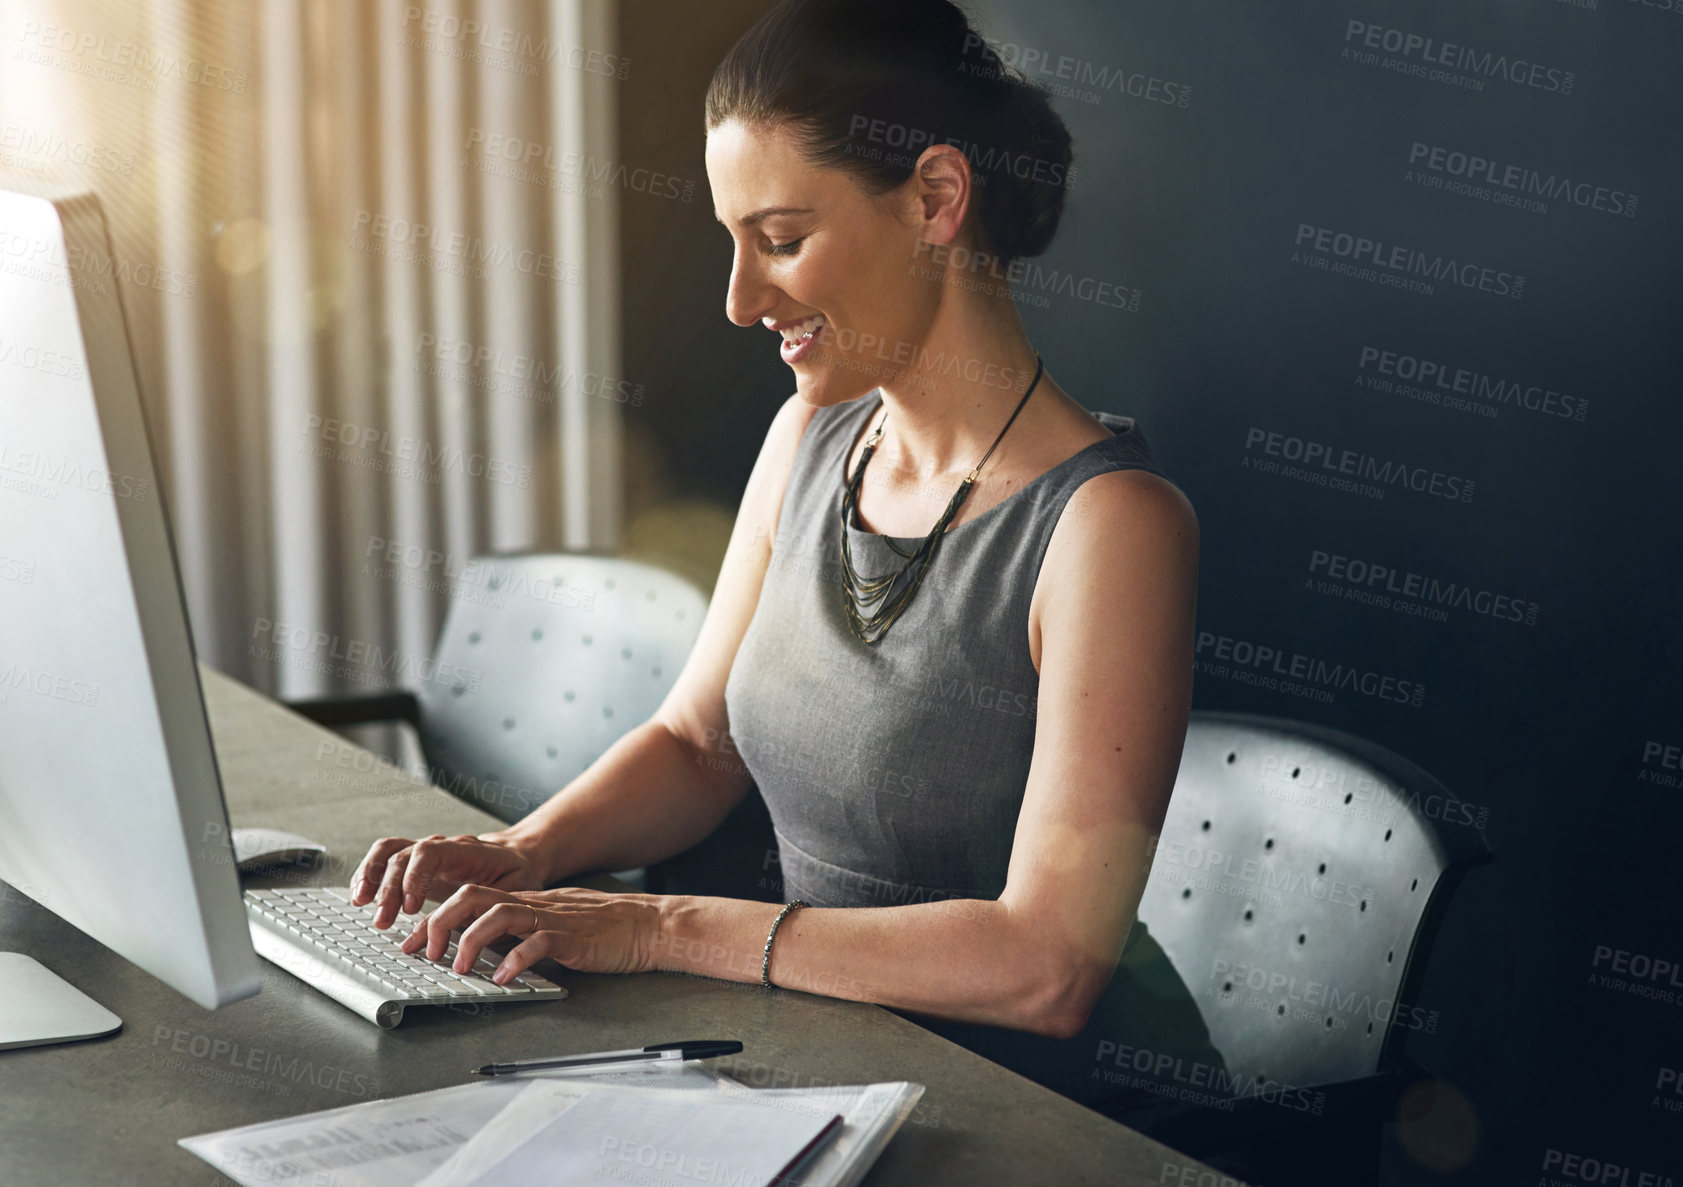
point(110, 1110)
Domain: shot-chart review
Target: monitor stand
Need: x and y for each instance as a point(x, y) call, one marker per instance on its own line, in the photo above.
point(38, 1007)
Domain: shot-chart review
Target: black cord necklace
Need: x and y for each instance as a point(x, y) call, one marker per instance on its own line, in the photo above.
point(858, 590)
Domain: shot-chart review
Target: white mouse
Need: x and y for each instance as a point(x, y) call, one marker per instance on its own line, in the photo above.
point(259, 848)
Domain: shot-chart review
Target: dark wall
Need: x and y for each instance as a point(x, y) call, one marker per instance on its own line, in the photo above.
point(712, 387)
point(1520, 490)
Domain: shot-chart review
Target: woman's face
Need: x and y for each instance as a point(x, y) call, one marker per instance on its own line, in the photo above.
point(812, 249)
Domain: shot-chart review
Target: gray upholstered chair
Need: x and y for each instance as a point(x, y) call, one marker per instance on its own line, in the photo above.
point(1297, 886)
point(554, 660)
point(543, 662)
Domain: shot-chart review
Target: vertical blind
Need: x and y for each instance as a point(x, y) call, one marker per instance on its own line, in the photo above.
point(372, 288)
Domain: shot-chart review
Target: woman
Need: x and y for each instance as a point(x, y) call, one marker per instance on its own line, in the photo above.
point(966, 736)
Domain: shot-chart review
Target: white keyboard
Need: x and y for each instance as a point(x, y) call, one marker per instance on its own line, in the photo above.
point(319, 937)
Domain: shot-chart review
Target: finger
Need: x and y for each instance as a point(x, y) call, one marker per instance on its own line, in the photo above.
point(389, 897)
point(504, 919)
point(460, 909)
point(373, 868)
point(423, 864)
point(417, 935)
point(523, 956)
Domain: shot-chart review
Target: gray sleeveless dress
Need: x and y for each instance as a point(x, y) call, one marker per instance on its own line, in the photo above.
point(894, 772)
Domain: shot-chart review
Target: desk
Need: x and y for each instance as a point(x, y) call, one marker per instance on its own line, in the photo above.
point(110, 1110)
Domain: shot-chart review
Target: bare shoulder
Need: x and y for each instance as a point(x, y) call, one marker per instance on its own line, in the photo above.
point(1131, 509)
point(783, 436)
point(793, 415)
point(694, 708)
point(766, 485)
point(1125, 538)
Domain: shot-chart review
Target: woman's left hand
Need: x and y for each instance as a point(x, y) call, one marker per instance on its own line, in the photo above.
point(583, 929)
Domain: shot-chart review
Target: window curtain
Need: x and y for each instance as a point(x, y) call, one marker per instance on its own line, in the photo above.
point(370, 270)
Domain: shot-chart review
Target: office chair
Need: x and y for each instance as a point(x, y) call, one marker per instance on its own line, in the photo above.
point(544, 661)
point(1297, 887)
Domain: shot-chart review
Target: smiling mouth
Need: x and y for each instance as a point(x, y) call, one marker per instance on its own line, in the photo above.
point(802, 338)
point(805, 331)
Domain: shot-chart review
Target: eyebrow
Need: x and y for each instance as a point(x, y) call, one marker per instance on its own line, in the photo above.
point(749, 220)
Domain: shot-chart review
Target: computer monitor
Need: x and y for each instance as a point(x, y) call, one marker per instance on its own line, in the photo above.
point(111, 808)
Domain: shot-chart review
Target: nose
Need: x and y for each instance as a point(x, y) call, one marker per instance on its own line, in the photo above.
point(747, 298)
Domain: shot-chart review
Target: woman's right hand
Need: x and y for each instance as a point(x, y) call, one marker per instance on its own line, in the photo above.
point(400, 873)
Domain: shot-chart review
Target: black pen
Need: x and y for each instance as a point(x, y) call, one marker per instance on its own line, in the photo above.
point(659, 1053)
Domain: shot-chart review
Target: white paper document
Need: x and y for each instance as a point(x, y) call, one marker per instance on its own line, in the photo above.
point(463, 1132)
point(871, 1113)
point(569, 1131)
point(388, 1143)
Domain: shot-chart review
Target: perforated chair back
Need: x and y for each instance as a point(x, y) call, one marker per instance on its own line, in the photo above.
point(1296, 887)
point(544, 661)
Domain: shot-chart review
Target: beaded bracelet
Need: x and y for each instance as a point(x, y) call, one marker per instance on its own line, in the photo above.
point(765, 961)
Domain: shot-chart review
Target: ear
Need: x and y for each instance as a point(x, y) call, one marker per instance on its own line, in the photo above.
point(942, 190)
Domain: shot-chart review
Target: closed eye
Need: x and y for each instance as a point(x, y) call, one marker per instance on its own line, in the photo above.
point(785, 249)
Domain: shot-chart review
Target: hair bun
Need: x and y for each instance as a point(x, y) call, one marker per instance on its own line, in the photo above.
point(1027, 187)
point(869, 84)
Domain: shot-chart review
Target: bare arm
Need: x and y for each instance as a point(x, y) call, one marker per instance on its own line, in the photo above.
point(1117, 595)
point(669, 782)
point(1116, 601)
